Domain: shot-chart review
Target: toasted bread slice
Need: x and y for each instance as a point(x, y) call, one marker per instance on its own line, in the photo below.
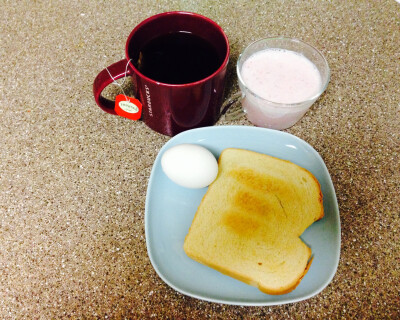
point(248, 224)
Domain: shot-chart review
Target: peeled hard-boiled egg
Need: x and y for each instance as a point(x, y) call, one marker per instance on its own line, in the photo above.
point(190, 165)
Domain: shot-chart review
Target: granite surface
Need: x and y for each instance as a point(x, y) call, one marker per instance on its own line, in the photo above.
point(73, 179)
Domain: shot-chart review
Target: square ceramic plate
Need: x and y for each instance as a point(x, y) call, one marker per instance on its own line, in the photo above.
point(171, 208)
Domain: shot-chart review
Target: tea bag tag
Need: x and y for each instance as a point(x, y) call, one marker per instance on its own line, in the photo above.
point(128, 107)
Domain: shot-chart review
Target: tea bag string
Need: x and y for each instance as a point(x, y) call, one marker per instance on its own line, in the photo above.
point(115, 81)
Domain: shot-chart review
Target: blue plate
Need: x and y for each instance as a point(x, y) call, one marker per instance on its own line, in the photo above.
point(171, 208)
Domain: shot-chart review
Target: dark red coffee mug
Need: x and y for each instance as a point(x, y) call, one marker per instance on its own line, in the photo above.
point(171, 108)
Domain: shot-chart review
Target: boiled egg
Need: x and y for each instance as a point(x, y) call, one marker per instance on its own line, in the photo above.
point(190, 165)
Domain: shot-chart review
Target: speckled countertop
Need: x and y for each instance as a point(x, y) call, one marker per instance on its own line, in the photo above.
point(73, 179)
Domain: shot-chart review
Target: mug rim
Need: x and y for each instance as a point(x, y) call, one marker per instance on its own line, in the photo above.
point(280, 104)
point(156, 16)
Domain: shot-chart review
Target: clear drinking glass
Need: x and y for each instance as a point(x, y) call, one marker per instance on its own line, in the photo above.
point(276, 115)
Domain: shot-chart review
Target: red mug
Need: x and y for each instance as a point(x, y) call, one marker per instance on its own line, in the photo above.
point(170, 108)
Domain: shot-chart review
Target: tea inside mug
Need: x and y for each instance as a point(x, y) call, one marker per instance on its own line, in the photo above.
point(177, 58)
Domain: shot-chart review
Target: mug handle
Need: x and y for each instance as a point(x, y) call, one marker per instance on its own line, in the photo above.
point(103, 79)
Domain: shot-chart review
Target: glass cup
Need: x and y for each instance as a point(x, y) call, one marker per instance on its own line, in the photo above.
point(274, 114)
